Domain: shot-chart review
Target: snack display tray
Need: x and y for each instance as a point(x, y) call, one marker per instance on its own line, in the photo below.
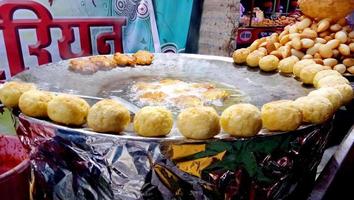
point(258, 87)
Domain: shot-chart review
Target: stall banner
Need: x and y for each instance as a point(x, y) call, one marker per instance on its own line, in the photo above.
point(35, 32)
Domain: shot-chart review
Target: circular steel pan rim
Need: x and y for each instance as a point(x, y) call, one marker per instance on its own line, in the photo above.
point(222, 136)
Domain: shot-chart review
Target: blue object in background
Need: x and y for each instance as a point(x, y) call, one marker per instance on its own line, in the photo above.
point(173, 22)
point(155, 25)
point(138, 33)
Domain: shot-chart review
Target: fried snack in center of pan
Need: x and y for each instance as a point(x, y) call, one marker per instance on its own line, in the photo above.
point(68, 110)
point(124, 60)
point(103, 62)
point(143, 57)
point(83, 66)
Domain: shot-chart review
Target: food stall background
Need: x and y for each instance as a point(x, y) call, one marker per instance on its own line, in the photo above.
point(261, 18)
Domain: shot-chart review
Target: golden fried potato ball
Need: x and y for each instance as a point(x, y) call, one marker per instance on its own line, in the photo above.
point(315, 109)
point(11, 92)
point(68, 110)
point(286, 65)
point(308, 73)
point(332, 94)
point(143, 57)
point(269, 63)
point(241, 120)
point(331, 81)
point(83, 66)
point(341, 68)
point(300, 65)
point(322, 74)
point(124, 60)
point(253, 58)
point(263, 49)
point(351, 69)
point(34, 103)
point(240, 55)
point(108, 116)
point(281, 115)
point(346, 91)
point(198, 122)
point(153, 121)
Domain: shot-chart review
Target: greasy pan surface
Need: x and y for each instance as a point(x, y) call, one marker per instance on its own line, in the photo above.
point(253, 86)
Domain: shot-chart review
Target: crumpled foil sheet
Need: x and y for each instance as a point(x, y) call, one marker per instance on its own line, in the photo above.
point(70, 164)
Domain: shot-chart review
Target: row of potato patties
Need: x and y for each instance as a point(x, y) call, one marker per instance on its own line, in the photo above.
point(199, 122)
point(315, 52)
point(105, 116)
point(63, 108)
point(93, 64)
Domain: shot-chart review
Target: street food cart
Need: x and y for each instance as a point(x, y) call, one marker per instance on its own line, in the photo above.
point(142, 125)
